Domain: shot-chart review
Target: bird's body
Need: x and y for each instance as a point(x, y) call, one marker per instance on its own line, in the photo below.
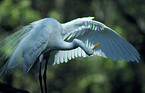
point(52, 42)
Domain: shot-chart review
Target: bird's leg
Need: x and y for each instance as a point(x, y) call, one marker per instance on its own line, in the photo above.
point(44, 76)
point(40, 78)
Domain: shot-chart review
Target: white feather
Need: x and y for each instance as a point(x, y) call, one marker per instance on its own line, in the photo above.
point(112, 45)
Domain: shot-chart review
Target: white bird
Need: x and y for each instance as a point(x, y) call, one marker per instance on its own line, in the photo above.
point(47, 40)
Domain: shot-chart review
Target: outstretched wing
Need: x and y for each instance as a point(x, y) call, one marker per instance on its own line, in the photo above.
point(112, 45)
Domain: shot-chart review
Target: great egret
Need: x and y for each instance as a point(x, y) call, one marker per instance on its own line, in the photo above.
point(47, 40)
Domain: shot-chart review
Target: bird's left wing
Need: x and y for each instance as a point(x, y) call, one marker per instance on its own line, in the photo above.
point(91, 32)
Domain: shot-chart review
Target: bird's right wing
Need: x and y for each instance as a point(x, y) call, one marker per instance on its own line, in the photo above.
point(91, 32)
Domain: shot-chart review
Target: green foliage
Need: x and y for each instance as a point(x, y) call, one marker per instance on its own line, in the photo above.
point(16, 11)
point(82, 75)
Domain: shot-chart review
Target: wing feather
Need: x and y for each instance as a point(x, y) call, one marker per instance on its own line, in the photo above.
point(69, 55)
point(112, 45)
point(65, 57)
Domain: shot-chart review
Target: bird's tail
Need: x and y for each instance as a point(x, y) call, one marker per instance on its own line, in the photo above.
point(8, 46)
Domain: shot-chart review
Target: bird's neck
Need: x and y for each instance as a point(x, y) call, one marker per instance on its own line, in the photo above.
point(74, 44)
point(67, 45)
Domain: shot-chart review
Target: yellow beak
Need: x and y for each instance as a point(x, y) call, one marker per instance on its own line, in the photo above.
point(95, 46)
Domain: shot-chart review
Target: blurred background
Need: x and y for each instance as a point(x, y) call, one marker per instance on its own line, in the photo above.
point(82, 75)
